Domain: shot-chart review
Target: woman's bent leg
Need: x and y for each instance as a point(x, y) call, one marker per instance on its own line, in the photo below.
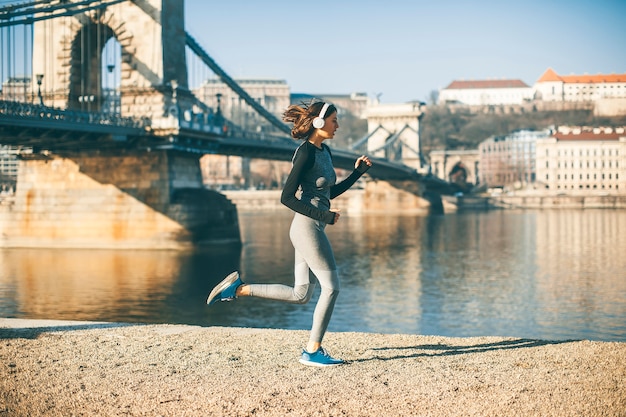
point(300, 293)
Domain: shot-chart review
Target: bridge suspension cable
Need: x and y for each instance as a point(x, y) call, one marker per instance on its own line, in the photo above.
point(204, 56)
point(34, 11)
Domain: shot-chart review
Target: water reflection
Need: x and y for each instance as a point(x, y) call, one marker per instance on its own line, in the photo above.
point(135, 286)
point(581, 277)
point(534, 274)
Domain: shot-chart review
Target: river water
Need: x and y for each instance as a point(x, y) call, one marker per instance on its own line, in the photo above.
point(552, 274)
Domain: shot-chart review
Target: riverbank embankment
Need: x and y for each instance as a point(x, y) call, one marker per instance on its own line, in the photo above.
point(109, 369)
point(386, 199)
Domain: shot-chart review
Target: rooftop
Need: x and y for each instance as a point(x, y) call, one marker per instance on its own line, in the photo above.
point(551, 76)
point(481, 84)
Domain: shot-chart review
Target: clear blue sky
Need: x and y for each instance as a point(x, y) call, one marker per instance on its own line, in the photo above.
point(404, 49)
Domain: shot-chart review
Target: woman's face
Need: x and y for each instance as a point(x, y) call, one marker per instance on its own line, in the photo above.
point(331, 124)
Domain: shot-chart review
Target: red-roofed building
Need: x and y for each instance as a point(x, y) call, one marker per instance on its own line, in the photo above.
point(486, 92)
point(578, 88)
point(583, 161)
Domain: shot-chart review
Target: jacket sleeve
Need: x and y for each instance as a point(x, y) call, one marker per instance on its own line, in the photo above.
point(343, 186)
point(303, 160)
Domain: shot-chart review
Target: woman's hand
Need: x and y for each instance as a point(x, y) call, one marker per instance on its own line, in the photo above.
point(362, 159)
point(336, 211)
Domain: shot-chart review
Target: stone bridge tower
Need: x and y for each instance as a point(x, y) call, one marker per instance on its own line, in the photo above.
point(116, 196)
point(67, 51)
point(394, 128)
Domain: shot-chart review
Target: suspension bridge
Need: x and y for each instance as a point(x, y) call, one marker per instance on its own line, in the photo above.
point(99, 94)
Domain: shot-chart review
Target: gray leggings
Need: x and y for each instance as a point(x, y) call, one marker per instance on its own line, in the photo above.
point(314, 254)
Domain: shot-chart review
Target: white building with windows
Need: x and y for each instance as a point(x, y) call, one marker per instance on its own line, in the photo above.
point(583, 161)
point(486, 93)
point(510, 159)
point(579, 88)
point(17, 89)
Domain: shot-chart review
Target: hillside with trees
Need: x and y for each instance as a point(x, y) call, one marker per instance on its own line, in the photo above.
point(443, 129)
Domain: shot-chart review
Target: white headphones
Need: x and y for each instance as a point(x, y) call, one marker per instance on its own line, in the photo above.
point(318, 122)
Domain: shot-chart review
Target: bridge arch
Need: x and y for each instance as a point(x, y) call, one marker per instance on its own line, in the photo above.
point(85, 67)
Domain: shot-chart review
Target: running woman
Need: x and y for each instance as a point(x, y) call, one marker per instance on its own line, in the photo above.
point(313, 175)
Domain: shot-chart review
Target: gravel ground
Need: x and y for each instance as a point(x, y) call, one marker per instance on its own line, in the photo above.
point(50, 368)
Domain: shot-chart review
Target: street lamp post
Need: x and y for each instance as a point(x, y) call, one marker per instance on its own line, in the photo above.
point(218, 112)
point(219, 101)
point(39, 81)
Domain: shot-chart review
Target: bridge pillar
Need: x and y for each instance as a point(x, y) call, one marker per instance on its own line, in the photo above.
point(152, 200)
point(67, 51)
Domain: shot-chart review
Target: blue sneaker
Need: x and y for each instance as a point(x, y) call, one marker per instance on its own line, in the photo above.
point(319, 358)
point(225, 290)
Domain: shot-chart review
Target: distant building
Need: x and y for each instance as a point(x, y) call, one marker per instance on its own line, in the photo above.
point(355, 103)
point(486, 93)
point(583, 160)
point(8, 161)
point(222, 171)
point(272, 94)
point(18, 89)
point(553, 87)
point(509, 159)
point(9, 164)
point(605, 93)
